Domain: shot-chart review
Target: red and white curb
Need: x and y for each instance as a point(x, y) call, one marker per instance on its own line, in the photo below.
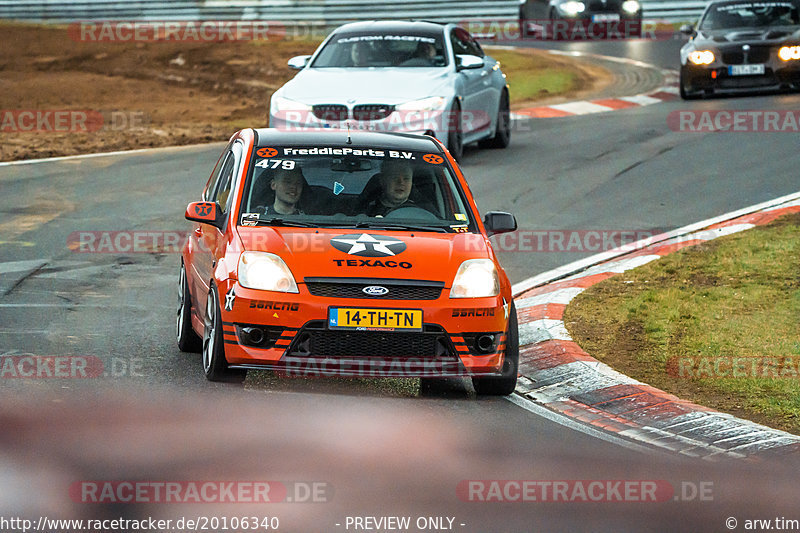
point(669, 91)
point(557, 374)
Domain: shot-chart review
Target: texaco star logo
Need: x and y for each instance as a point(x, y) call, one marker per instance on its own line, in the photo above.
point(229, 298)
point(367, 245)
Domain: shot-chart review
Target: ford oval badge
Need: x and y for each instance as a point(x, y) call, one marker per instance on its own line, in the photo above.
point(375, 290)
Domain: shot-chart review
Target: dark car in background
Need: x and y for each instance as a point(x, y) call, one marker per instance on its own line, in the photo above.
point(742, 47)
point(600, 18)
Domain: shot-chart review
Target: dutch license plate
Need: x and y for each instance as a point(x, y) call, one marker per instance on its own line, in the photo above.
point(367, 319)
point(610, 17)
point(745, 70)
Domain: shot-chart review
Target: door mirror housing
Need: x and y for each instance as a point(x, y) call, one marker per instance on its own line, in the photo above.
point(499, 222)
point(465, 61)
point(205, 213)
point(298, 62)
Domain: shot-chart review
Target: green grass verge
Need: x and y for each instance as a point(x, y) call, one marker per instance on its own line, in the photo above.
point(717, 323)
point(532, 76)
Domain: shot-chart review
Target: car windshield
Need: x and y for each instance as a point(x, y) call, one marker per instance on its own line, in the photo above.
point(731, 15)
point(336, 186)
point(382, 50)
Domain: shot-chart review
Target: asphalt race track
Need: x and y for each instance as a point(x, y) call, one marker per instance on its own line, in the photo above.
point(379, 449)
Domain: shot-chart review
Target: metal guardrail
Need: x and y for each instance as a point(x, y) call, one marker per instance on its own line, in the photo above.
point(332, 12)
point(681, 11)
point(326, 12)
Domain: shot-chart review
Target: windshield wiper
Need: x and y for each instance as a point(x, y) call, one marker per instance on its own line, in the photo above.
point(384, 225)
point(283, 222)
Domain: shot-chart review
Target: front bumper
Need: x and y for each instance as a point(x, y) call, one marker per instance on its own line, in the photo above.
point(430, 122)
point(295, 337)
point(715, 78)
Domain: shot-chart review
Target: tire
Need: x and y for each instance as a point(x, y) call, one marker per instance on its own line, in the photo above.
point(686, 95)
point(188, 340)
point(502, 134)
point(505, 383)
point(455, 139)
point(215, 367)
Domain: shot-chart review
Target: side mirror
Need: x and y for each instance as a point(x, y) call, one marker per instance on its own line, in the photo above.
point(298, 62)
point(499, 222)
point(205, 213)
point(687, 29)
point(464, 62)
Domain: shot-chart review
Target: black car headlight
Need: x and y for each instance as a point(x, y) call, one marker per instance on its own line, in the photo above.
point(789, 53)
point(701, 57)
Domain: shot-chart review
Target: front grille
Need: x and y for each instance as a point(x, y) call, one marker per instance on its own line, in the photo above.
point(330, 112)
point(353, 288)
point(316, 341)
point(747, 82)
point(597, 6)
point(372, 111)
point(756, 54)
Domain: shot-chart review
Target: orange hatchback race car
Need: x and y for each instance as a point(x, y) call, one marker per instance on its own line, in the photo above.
point(345, 254)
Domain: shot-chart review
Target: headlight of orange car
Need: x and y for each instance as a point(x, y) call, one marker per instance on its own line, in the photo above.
point(266, 272)
point(787, 53)
point(702, 57)
point(476, 278)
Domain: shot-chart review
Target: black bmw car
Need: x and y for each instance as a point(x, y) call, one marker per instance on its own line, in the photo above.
point(742, 46)
point(580, 19)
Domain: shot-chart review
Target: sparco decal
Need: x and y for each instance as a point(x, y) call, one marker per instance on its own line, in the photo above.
point(275, 306)
point(473, 312)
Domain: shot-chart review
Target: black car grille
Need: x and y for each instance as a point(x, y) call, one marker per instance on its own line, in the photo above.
point(353, 288)
point(330, 112)
point(372, 111)
point(597, 6)
point(756, 54)
point(316, 341)
point(747, 82)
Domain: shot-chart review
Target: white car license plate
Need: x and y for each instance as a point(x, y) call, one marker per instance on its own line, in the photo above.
point(745, 70)
point(607, 17)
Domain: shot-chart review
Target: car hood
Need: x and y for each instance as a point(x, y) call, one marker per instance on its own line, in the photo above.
point(747, 35)
point(366, 85)
point(313, 252)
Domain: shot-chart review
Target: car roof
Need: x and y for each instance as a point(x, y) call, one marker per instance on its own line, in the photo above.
point(337, 137)
point(392, 26)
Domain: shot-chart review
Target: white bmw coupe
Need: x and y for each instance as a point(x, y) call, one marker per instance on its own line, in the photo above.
point(407, 76)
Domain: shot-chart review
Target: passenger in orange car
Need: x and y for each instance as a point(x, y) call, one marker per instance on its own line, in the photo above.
point(396, 179)
point(288, 187)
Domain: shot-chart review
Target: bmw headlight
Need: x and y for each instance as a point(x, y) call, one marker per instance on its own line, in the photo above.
point(572, 7)
point(476, 278)
point(701, 57)
point(787, 53)
point(279, 104)
point(630, 6)
point(266, 272)
point(426, 104)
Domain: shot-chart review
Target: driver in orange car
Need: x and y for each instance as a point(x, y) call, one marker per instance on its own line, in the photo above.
point(396, 181)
